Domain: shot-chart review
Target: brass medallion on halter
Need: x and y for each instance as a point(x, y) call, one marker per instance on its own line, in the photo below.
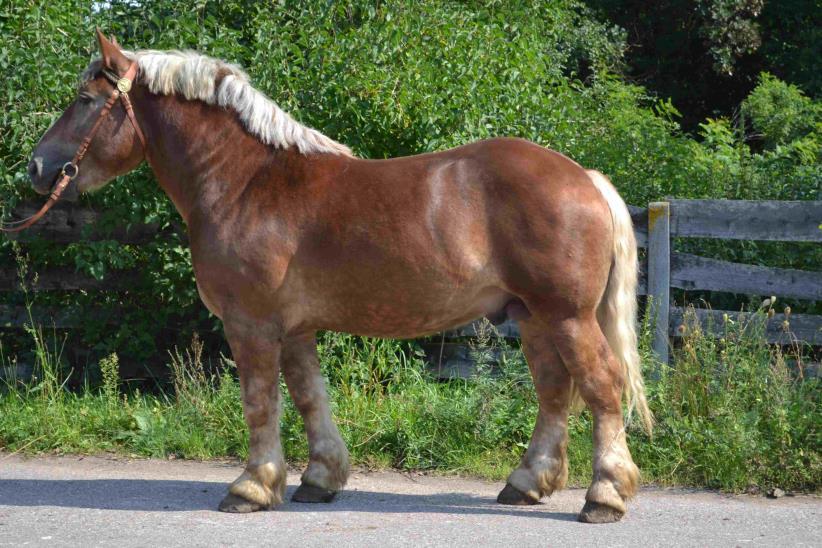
point(124, 85)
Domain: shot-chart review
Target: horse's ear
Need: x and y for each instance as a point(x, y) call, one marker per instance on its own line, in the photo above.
point(113, 58)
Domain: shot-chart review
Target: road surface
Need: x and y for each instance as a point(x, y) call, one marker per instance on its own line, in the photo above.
point(98, 501)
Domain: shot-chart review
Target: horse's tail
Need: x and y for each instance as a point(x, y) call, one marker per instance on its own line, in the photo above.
point(617, 310)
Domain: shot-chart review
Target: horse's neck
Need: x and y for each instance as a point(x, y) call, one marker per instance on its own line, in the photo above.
point(200, 154)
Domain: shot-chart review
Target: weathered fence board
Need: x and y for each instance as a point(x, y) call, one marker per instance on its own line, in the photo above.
point(65, 224)
point(799, 327)
point(695, 272)
point(639, 217)
point(448, 360)
point(796, 221)
point(659, 273)
point(67, 279)
point(725, 219)
point(459, 360)
point(17, 316)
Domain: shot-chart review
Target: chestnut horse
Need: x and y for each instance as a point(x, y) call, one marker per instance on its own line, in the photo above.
point(291, 234)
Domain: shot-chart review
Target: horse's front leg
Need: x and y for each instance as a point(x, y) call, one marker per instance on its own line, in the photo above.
point(327, 469)
point(256, 349)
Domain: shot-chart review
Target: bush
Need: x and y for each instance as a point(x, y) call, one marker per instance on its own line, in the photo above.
point(780, 113)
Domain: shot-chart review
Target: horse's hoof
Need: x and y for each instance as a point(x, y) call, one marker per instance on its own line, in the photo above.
point(512, 495)
point(311, 493)
point(238, 505)
point(594, 512)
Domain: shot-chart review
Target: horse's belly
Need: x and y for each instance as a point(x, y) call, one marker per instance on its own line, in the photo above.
point(408, 316)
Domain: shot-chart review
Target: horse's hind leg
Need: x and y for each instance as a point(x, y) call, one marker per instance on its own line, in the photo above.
point(256, 351)
point(599, 378)
point(544, 466)
point(327, 469)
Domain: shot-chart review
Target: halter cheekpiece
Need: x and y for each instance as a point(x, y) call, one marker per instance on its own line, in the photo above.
point(122, 85)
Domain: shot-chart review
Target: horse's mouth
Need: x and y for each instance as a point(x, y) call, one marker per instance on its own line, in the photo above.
point(70, 193)
point(45, 191)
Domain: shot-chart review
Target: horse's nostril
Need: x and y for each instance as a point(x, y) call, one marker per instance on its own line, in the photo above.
point(35, 169)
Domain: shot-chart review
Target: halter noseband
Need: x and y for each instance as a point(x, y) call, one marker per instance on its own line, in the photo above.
point(122, 85)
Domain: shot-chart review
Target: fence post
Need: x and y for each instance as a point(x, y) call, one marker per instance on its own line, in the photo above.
point(659, 273)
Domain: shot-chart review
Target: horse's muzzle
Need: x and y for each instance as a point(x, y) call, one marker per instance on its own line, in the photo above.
point(35, 171)
point(45, 176)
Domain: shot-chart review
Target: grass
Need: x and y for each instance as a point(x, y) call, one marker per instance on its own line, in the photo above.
point(729, 413)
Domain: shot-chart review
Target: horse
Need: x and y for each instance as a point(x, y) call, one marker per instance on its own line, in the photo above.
point(291, 233)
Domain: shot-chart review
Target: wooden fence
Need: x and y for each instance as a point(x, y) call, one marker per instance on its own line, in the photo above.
point(654, 226)
point(729, 220)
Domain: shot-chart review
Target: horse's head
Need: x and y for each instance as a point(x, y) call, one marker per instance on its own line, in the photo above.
point(115, 149)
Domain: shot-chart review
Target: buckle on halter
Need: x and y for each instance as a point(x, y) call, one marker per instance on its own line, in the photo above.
point(124, 85)
point(72, 166)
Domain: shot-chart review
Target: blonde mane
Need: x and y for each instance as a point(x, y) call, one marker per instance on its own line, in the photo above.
point(199, 77)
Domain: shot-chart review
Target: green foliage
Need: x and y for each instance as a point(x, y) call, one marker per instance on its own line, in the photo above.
point(95, 258)
point(706, 54)
point(780, 114)
point(110, 369)
point(731, 30)
point(792, 32)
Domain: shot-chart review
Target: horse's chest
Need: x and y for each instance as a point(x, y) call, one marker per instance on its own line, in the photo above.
point(241, 277)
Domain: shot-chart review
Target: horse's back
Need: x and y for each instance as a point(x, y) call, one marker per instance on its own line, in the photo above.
point(505, 172)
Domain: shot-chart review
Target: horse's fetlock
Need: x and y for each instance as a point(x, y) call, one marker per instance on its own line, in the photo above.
point(321, 474)
point(551, 475)
point(263, 484)
point(540, 478)
point(614, 484)
point(328, 465)
point(621, 473)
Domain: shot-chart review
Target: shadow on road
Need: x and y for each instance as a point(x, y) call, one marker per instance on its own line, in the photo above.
point(176, 496)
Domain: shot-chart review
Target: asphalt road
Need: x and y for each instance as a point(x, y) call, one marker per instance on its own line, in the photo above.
point(93, 501)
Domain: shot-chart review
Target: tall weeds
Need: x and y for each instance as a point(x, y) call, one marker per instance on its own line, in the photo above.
point(731, 413)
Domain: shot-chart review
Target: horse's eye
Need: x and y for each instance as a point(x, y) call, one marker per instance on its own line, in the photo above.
point(86, 98)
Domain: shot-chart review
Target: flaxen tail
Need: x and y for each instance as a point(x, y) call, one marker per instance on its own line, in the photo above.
point(617, 311)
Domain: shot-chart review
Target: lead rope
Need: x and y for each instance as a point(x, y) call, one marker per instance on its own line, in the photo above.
point(72, 169)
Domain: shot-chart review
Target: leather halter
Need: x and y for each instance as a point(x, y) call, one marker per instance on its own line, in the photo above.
point(122, 85)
